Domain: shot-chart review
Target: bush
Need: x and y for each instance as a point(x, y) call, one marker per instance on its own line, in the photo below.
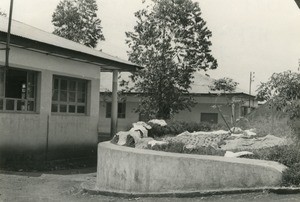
point(287, 155)
point(176, 127)
point(291, 176)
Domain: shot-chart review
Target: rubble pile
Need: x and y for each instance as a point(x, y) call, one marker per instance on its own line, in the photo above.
point(235, 139)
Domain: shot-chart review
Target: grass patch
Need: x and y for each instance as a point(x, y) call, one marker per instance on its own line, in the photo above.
point(273, 126)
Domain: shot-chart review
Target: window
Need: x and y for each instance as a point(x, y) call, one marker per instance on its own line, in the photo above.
point(121, 110)
point(209, 117)
point(69, 95)
point(17, 90)
point(244, 111)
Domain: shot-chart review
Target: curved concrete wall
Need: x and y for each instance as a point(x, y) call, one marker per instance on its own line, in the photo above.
point(130, 170)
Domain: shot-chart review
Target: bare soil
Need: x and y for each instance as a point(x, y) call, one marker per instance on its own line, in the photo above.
point(65, 186)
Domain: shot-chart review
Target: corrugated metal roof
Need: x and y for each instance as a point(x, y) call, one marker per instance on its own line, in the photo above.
point(29, 32)
point(200, 83)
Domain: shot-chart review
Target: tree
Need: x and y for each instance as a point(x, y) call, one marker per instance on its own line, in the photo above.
point(224, 84)
point(282, 91)
point(77, 20)
point(171, 41)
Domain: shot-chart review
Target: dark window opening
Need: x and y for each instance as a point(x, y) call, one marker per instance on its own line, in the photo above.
point(17, 90)
point(121, 110)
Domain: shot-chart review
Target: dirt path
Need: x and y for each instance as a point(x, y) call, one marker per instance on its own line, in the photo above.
point(55, 186)
point(65, 186)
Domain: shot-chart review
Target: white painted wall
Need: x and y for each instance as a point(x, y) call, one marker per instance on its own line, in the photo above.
point(68, 135)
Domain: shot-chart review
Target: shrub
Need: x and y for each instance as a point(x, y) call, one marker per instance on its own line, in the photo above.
point(291, 176)
point(176, 127)
point(287, 155)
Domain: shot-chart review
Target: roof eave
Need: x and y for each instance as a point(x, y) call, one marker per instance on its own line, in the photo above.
point(193, 94)
point(104, 63)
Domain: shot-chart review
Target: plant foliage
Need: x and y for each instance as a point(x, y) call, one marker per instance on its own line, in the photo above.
point(171, 40)
point(224, 84)
point(77, 20)
point(282, 91)
point(287, 155)
point(176, 127)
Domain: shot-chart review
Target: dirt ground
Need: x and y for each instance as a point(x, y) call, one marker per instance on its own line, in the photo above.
point(65, 186)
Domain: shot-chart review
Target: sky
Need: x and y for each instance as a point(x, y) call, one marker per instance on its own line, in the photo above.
point(261, 36)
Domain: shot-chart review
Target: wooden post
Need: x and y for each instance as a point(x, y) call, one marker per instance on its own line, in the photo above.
point(114, 104)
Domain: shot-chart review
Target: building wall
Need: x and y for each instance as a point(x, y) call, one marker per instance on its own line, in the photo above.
point(123, 124)
point(204, 105)
point(42, 134)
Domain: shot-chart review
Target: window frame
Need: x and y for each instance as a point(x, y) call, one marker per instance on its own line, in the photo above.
point(4, 99)
point(58, 102)
point(121, 110)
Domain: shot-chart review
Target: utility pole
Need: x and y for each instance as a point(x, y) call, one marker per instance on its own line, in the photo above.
point(8, 34)
point(252, 76)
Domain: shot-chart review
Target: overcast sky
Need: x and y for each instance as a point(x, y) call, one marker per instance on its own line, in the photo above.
point(262, 36)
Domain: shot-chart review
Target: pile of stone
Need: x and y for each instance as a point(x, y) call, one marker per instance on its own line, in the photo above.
point(200, 139)
point(138, 135)
point(235, 139)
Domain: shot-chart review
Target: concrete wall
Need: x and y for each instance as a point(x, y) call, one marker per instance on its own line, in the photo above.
point(130, 170)
point(41, 134)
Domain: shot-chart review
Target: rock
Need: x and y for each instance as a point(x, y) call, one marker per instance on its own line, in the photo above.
point(143, 143)
point(190, 146)
point(218, 132)
point(122, 137)
point(160, 122)
point(249, 133)
point(141, 127)
point(200, 139)
point(142, 123)
point(156, 142)
point(236, 130)
point(239, 135)
point(237, 154)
